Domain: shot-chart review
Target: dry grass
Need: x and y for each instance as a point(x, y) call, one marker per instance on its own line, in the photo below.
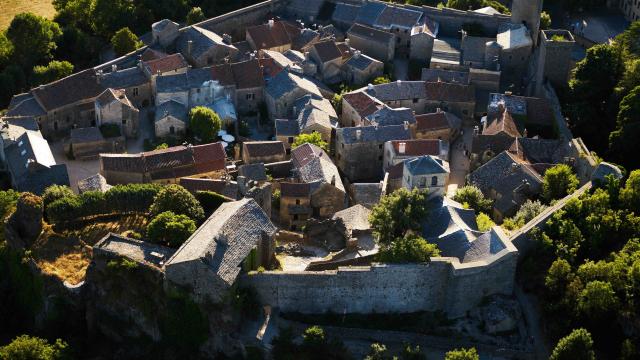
point(9, 8)
point(66, 253)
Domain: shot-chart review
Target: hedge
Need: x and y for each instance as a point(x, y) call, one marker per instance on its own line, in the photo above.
point(131, 198)
point(210, 201)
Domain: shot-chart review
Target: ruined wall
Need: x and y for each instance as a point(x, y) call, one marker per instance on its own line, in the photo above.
point(444, 285)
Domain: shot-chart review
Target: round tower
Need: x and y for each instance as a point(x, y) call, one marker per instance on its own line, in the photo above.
point(527, 12)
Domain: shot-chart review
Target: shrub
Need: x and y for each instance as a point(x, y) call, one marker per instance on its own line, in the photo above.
point(409, 249)
point(125, 41)
point(577, 345)
point(484, 222)
point(26, 347)
point(8, 201)
point(397, 213)
point(275, 199)
point(559, 181)
point(195, 15)
point(462, 354)
point(178, 200)
point(210, 201)
point(170, 228)
point(66, 209)
point(123, 264)
point(55, 192)
point(132, 197)
point(529, 210)
point(313, 138)
point(204, 123)
point(472, 197)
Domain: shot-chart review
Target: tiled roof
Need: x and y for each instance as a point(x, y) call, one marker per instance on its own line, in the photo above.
point(165, 64)
point(267, 37)
point(286, 82)
point(432, 122)
point(303, 154)
point(313, 165)
point(395, 171)
point(362, 103)
point(285, 127)
point(370, 33)
point(417, 147)
point(226, 239)
point(171, 108)
point(435, 75)
point(244, 75)
point(398, 90)
point(226, 188)
point(125, 78)
point(209, 157)
point(151, 54)
point(141, 251)
point(256, 172)
point(387, 116)
point(295, 189)
point(327, 50)
point(450, 92)
point(426, 165)
point(352, 135)
point(88, 134)
point(366, 194)
point(202, 41)
point(123, 162)
point(398, 17)
point(502, 124)
point(263, 148)
point(77, 87)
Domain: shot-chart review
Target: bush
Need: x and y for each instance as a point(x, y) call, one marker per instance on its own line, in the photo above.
point(55, 192)
point(559, 181)
point(462, 354)
point(210, 201)
point(313, 138)
point(409, 249)
point(484, 222)
point(275, 199)
point(577, 345)
point(170, 228)
point(125, 41)
point(529, 210)
point(26, 347)
point(178, 200)
point(397, 213)
point(8, 200)
point(204, 124)
point(472, 197)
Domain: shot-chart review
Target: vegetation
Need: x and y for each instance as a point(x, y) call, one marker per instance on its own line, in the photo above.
point(26, 347)
point(529, 210)
point(178, 200)
point(462, 354)
point(398, 213)
point(477, 4)
point(409, 249)
point(204, 123)
point(313, 138)
point(559, 181)
point(55, 70)
point(545, 22)
point(210, 201)
point(123, 264)
point(484, 222)
point(315, 345)
point(577, 345)
point(110, 130)
point(185, 327)
point(170, 229)
point(125, 41)
point(195, 16)
point(381, 80)
point(473, 198)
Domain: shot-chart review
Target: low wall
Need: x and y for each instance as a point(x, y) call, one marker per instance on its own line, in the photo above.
point(442, 285)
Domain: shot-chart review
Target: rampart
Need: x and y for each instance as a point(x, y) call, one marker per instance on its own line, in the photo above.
point(442, 285)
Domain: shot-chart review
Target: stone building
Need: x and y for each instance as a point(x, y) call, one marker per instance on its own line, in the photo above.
point(440, 125)
point(329, 59)
point(378, 44)
point(88, 143)
point(397, 151)
point(295, 205)
point(361, 69)
point(237, 237)
point(133, 81)
point(171, 119)
point(283, 90)
point(274, 35)
point(113, 107)
point(165, 65)
point(263, 152)
point(359, 151)
point(166, 166)
point(426, 173)
point(244, 81)
point(202, 47)
point(356, 106)
point(421, 42)
point(527, 12)
point(165, 32)
point(554, 59)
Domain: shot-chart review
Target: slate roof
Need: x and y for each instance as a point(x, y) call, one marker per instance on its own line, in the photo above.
point(366, 194)
point(85, 135)
point(313, 165)
point(165, 64)
point(450, 92)
point(77, 87)
point(362, 103)
point(285, 127)
point(95, 182)
point(354, 218)
point(202, 41)
point(426, 165)
point(280, 34)
point(398, 17)
point(171, 108)
point(286, 82)
point(361, 62)
point(110, 95)
point(226, 188)
point(387, 116)
point(345, 13)
point(126, 78)
point(437, 121)
point(513, 36)
point(450, 76)
point(226, 239)
point(321, 104)
point(14, 127)
point(370, 12)
point(25, 106)
point(502, 124)
point(327, 50)
point(263, 148)
point(353, 135)
point(244, 75)
point(288, 189)
point(256, 172)
point(398, 90)
point(417, 147)
point(370, 33)
point(141, 251)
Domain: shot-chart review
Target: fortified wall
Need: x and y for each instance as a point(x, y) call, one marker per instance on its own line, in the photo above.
point(442, 285)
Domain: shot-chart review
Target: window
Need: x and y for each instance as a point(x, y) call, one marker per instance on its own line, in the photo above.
point(290, 139)
point(297, 201)
point(20, 143)
point(415, 100)
point(434, 181)
point(172, 130)
point(380, 146)
point(55, 125)
point(295, 217)
point(250, 96)
point(124, 121)
point(380, 158)
point(423, 182)
point(198, 90)
point(135, 91)
point(23, 152)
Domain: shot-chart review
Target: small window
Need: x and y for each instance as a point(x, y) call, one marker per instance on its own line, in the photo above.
point(135, 91)
point(290, 139)
point(380, 158)
point(380, 146)
point(434, 181)
point(295, 217)
point(172, 130)
point(23, 152)
point(415, 100)
point(297, 201)
point(423, 182)
point(20, 143)
point(124, 121)
point(55, 125)
point(198, 90)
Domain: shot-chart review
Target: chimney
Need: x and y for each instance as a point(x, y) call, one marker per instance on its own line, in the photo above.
point(346, 41)
point(114, 68)
point(356, 54)
point(370, 87)
point(270, 23)
point(358, 134)
point(438, 110)
point(398, 82)
point(226, 38)
point(402, 148)
point(189, 47)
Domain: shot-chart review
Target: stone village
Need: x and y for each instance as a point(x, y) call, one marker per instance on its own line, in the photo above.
point(462, 107)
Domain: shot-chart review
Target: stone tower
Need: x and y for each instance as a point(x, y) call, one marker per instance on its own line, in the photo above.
point(527, 12)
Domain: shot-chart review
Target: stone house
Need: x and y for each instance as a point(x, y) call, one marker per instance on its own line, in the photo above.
point(113, 107)
point(202, 47)
point(282, 92)
point(329, 59)
point(397, 151)
point(359, 151)
point(295, 205)
point(31, 164)
point(237, 237)
point(166, 65)
point(440, 125)
point(245, 82)
point(263, 152)
point(516, 48)
point(275, 35)
point(88, 143)
point(378, 44)
point(421, 41)
point(426, 172)
point(171, 119)
point(356, 106)
point(193, 88)
point(166, 166)
point(165, 32)
point(133, 81)
point(360, 69)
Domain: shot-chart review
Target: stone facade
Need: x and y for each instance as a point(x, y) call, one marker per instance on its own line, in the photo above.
point(119, 111)
point(378, 44)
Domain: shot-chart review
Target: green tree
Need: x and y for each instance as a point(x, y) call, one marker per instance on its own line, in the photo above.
point(545, 20)
point(26, 347)
point(462, 354)
point(313, 138)
point(170, 228)
point(412, 353)
point(411, 248)
point(597, 299)
point(558, 277)
point(108, 16)
point(559, 181)
point(623, 141)
point(381, 80)
point(178, 200)
point(484, 222)
point(125, 41)
point(529, 210)
point(8, 200)
point(472, 197)
point(630, 194)
point(33, 39)
point(314, 337)
point(397, 213)
point(577, 345)
point(6, 49)
point(195, 16)
point(377, 351)
point(55, 70)
point(204, 124)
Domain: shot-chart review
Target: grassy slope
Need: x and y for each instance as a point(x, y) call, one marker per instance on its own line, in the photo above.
point(9, 8)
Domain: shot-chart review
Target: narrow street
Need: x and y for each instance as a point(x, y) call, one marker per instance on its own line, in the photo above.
point(458, 162)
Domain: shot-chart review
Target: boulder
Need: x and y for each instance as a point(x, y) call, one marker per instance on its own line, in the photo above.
point(25, 225)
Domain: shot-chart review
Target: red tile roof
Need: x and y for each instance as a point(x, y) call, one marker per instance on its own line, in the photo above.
point(504, 123)
point(430, 122)
point(264, 148)
point(151, 54)
point(362, 103)
point(165, 64)
point(327, 50)
point(417, 147)
point(244, 75)
point(450, 92)
point(267, 37)
point(270, 67)
point(209, 157)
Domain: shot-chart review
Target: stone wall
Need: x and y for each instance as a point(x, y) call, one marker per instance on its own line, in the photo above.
point(444, 284)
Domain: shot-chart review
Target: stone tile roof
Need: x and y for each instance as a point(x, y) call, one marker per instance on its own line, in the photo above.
point(85, 135)
point(370, 33)
point(417, 147)
point(267, 37)
point(354, 218)
point(125, 78)
point(362, 103)
point(162, 24)
point(165, 64)
point(193, 78)
point(426, 165)
point(435, 75)
point(40, 178)
point(495, 144)
point(353, 135)
point(345, 13)
point(387, 116)
point(244, 75)
point(474, 48)
point(226, 239)
point(263, 148)
point(256, 172)
point(25, 106)
point(288, 189)
point(286, 127)
point(226, 188)
point(502, 124)
point(437, 121)
point(202, 41)
point(513, 36)
point(95, 182)
point(110, 95)
point(370, 12)
point(450, 92)
point(313, 165)
point(150, 54)
point(327, 50)
point(305, 38)
point(310, 101)
point(361, 62)
point(311, 117)
point(540, 151)
point(286, 82)
point(398, 90)
point(77, 87)
point(14, 127)
point(172, 108)
point(140, 251)
point(398, 17)
point(18, 98)
point(366, 194)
